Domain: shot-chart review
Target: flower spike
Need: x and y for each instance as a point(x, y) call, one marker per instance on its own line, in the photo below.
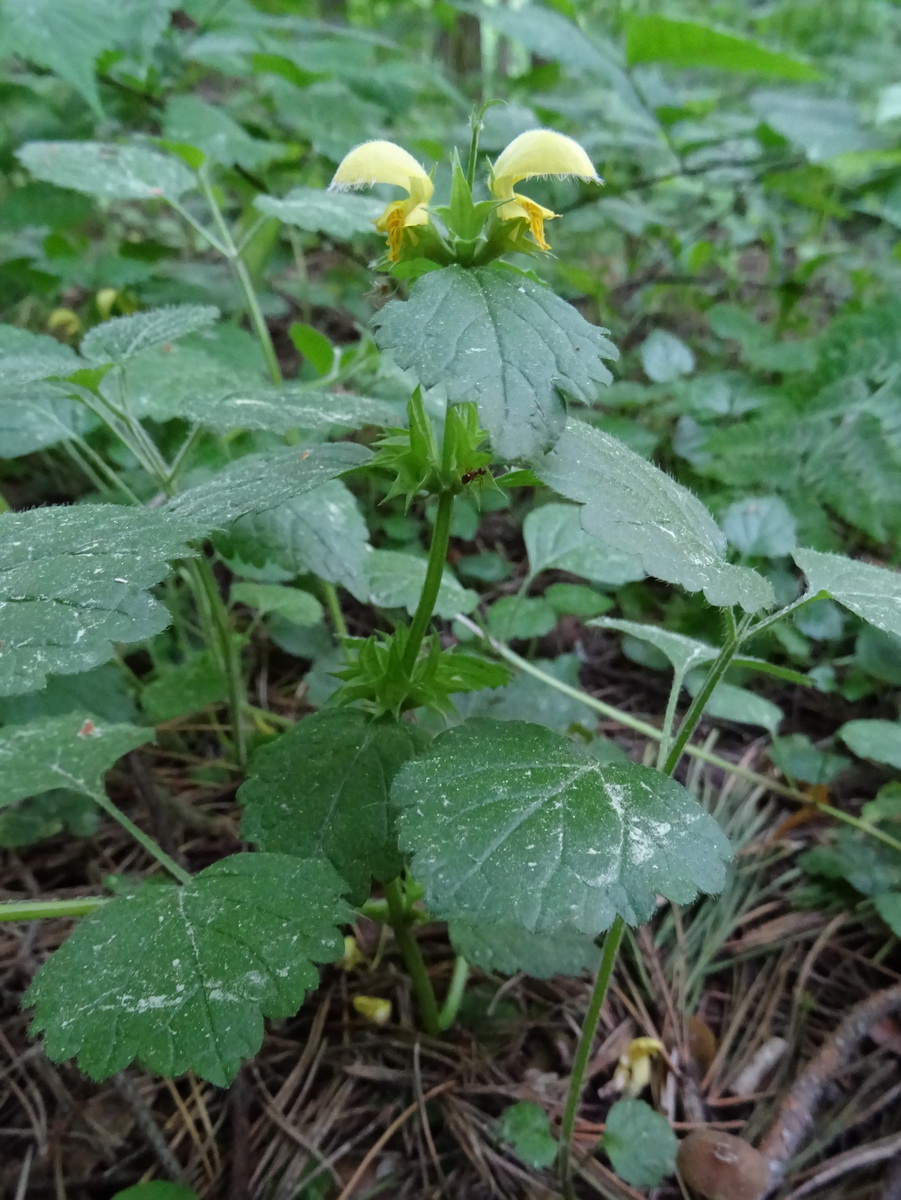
point(537, 153)
point(384, 162)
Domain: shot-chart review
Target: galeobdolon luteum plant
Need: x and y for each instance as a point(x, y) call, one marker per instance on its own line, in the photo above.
point(530, 848)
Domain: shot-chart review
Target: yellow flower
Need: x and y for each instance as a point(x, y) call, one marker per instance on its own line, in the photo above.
point(383, 162)
point(633, 1071)
point(539, 152)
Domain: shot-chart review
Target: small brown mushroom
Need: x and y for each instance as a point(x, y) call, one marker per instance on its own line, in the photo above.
point(722, 1167)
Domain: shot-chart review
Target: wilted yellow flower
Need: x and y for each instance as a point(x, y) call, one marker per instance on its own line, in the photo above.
point(352, 956)
point(384, 162)
point(64, 323)
point(373, 1008)
point(539, 152)
point(633, 1071)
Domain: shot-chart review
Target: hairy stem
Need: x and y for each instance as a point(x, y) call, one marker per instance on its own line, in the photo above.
point(103, 801)
point(583, 1050)
point(399, 919)
point(455, 991)
point(434, 572)
point(41, 910)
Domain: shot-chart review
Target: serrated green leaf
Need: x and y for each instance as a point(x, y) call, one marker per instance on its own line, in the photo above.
point(122, 337)
point(499, 338)
point(761, 527)
point(64, 38)
point(340, 215)
point(877, 740)
point(655, 38)
point(873, 593)
point(322, 790)
point(508, 822)
point(72, 583)
point(634, 506)
point(682, 652)
point(180, 978)
point(289, 602)
point(259, 482)
point(45, 814)
point(802, 761)
point(526, 1125)
point(35, 417)
point(555, 540)
point(73, 751)
point(518, 617)
point(730, 703)
point(639, 1143)
point(322, 532)
point(108, 170)
point(29, 357)
point(396, 579)
point(509, 949)
point(203, 125)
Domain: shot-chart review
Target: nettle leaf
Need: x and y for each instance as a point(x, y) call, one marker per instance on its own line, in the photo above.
point(655, 38)
point(640, 1143)
point(122, 337)
point(495, 336)
point(296, 606)
point(73, 751)
point(665, 357)
point(762, 526)
point(279, 410)
point(637, 508)
point(259, 482)
point(873, 593)
point(341, 215)
point(72, 584)
point(35, 417)
point(180, 978)
point(108, 170)
point(322, 532)
point(64, 38)
point(396, 580)
point(683, 652)
point(203, 125)
point(509, 822)
point(29, 357)
point(322, 790)
point(509, 949)
point(555, 540)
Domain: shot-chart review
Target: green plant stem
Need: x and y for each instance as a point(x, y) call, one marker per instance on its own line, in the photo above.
point(215, 617)
point(400, 922)
point(103, 801)
point(455, 991)
point(583, 1050)
point(715, 673)
point(432, 584)
point(775, 617)
point(44, 910)
point(227, 247)
point(651, 731)
point(333, 605)
point(669, 717)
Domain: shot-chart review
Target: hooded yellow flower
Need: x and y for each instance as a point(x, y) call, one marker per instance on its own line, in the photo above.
point(539, 152)
point(383, 162)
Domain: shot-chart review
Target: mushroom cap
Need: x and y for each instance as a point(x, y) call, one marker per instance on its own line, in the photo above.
point(722, 1167)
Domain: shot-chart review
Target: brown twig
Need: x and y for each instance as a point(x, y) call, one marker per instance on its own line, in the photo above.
point(852, 1160)
point(796, 1116)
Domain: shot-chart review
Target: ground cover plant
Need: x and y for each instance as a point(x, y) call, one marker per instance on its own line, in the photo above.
point(449, 607)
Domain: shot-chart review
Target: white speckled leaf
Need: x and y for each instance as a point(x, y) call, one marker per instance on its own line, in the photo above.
point(508, 949)
point(874, 593)
point(120, 338)
point(322, 532)
point(633, 505)
point(73, 583)
point(28, 357)
point(509, 822)
point(179, 978)
point(108, 170)
point(73, 751)
point(497, 337)
point(259, 482)
point(683, 652)
point(338, 214)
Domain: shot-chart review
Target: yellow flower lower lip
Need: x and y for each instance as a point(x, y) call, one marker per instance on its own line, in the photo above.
point(384, 162)
point(537, 153)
